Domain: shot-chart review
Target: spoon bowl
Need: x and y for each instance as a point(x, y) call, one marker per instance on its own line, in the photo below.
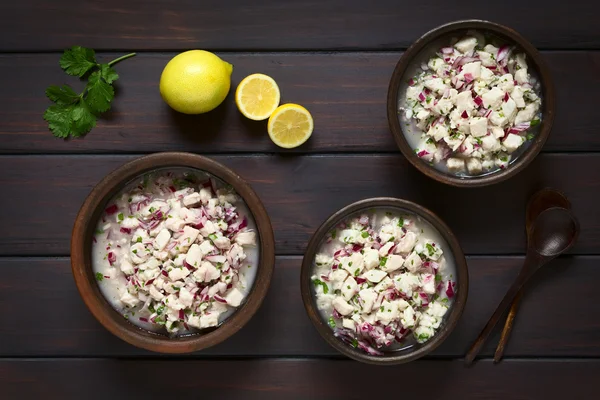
point(554, 232)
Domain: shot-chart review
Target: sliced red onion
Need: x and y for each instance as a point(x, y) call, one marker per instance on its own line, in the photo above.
point(450, 290)
point(110, 210)
point(422, 153)
point(125, 230)
point(181, 314)
point(488, 113)
point(464, 114)
point(411, 82)
point(468, 77)
point(112, 258)
point(477, 100)
point(143, 319)
point(165, 273)
point(459, 84)
point(219, 299)
point(360, 280)
point(463, 60)
point(502, 53)
point(506, 97)
point(421, 97)
point(447, 50)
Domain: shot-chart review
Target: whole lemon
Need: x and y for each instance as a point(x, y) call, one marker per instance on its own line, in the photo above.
point(195, 82)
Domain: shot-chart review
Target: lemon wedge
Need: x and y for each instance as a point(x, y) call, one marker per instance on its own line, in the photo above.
point(257, 96)
point(290, 125)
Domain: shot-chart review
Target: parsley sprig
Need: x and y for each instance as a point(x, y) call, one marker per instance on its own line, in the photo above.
point(74, 114)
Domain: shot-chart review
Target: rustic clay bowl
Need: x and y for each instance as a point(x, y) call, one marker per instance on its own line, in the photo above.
point(81, 244)
point(450, 319)
point(422, 50)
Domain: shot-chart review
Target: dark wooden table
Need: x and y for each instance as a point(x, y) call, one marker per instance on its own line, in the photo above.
point(334, 57)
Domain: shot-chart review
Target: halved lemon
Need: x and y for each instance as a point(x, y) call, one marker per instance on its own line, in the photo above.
point(257, 96)
point(290, 125)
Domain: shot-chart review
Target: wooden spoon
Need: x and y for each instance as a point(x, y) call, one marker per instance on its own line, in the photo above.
point(540, 201)
point(553, 232)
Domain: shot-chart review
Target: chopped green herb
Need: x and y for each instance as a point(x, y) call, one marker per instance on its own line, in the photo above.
point(99, 231)
point(383, 261)
point(139, 240)
point(350, 264)
point(331, 322)
point(134, 251)
point(381, 308)
point(212, 237)
point(152, 209)
point(438, 278)
point(534, 122)
point(423, 337)
point(530, 136)
point(430, 249)
point(333, 234)
point(401, 222)
point(99, 276)
point(365, 234)
point(504, 159)
point(129, 200)
point(120, 217)
point(445, 301)
point(357, 272)
point(354, 343)
point(318, 282)
point(428, 99)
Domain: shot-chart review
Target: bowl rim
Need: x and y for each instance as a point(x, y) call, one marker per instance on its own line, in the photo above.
point(548, 106)
point(308, 293)
point(102, 310)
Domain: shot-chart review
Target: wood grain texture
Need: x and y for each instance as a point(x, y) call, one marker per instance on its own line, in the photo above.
point(59, 325)
point(345, 92)
point(293, 25)
point(295, 379)
point(299, 193)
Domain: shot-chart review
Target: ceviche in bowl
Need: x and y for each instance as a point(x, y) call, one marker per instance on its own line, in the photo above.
point(173, 252)
point(384, 281)
point(471, 103)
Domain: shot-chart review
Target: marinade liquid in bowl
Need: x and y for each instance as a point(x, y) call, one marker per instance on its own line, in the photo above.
point(384, 280)
point(175, 251)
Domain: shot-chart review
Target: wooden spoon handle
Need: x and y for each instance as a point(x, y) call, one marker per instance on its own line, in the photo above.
point(508, 325)
point(504, 304)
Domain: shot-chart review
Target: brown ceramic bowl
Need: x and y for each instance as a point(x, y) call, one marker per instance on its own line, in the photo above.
point(422, 50)
point(81, 263)
point(450, 319)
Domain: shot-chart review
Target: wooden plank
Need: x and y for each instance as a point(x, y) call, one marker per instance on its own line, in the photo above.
point(346, 93)
point(36, 25)
point(296, 379)
point(39, 292)
point(301, 192)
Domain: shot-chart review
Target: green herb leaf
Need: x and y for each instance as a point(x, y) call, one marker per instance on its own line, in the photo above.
point(383, 261)
point(99, 93)
point(354, 343)
point(430, 249)
point(331, 322)
point(318, 282)
point(77, 61)
point(365, 234)
point(120, 217)
point(99, 276)
point(108, 73)
point(75, 114)
point(534, 122)
point(62, 95)
point(438, 278)
point(401, 222)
